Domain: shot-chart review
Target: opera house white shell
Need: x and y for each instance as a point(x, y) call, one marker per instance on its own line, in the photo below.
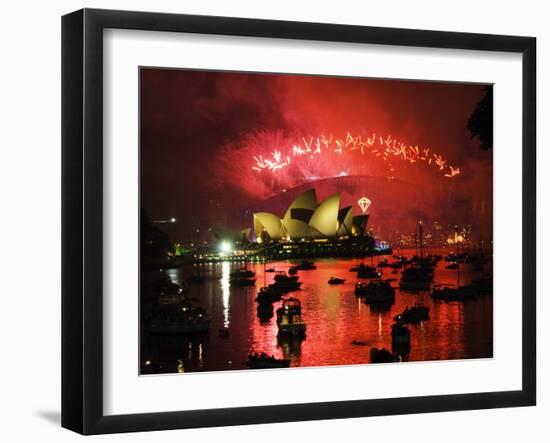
point(306, 219)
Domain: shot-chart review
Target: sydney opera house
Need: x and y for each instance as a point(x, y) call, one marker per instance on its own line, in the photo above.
point(309, 220)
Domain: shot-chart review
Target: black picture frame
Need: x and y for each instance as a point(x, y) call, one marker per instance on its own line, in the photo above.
point(82, 219)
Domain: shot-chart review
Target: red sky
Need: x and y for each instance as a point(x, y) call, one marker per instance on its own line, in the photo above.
point(191, 120)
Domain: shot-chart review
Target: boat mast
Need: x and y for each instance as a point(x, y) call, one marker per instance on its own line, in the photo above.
point(421, 239)
point(457, 263)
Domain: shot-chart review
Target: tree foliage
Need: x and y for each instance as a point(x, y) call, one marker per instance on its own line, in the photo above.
point(480, 123)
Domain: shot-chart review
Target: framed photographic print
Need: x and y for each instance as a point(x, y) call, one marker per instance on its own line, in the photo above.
point(270, 221)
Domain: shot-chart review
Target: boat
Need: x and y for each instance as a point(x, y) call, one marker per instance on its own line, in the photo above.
point(281, 277)
point(270, 270)
point(381, 356)
point(400, 334)
point(453, 265)
point(461, 292)
point(242, 277)
point(241, 281)
point(181, 320)
point(264, 311)
point(336, 281)
point(293, 270)
point(416, 278)
point(285, 283)
point(376, 291)
point(282, 285)
point(359, 343)
point(384, 263)
point(306, 265)
point(454, 293)
point(419, 275)
point(171, 293)
point(364, 271)
point(264, 361)
point(289, 318)
point(164, 285)
point(269, 294)
point(416, 314)
point(241, 273)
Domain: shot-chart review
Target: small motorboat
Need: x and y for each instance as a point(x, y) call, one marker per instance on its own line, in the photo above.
point(264, 361)
point(289, 318)
point(336, 281)
point(293, 270)
point(359, 343)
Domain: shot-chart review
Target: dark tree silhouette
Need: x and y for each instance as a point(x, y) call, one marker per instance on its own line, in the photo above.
point(480, 123)
point(155, 243)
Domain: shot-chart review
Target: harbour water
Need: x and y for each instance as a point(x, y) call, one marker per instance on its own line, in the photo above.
point(341, 328)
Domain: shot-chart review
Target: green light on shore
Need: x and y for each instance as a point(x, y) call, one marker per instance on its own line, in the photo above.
point(225, 247)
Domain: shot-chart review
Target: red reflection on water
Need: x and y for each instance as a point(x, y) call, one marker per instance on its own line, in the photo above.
point(335, 319)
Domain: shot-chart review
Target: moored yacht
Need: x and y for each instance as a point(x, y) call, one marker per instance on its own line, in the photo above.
point(376, 291)
point(416, 278)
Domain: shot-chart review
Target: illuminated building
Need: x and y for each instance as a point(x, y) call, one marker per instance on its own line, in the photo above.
point(307, 220)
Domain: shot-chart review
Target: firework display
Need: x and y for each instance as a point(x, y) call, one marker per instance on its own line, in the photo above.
point(293, 220)
point(276, 161)
point(387, 148)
